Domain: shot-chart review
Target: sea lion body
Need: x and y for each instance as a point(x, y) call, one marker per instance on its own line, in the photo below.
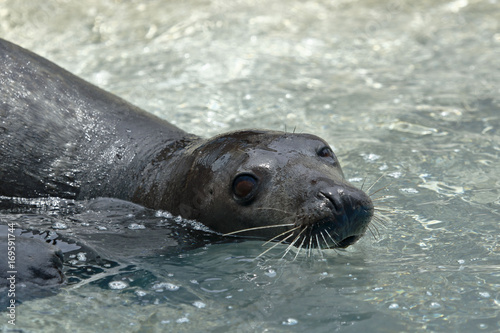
point(26, 259)
point(61, 136)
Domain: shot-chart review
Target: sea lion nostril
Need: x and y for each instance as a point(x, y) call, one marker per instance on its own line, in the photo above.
point(335, 198)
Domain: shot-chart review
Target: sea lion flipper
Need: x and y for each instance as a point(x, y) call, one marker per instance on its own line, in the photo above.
point(30, 260)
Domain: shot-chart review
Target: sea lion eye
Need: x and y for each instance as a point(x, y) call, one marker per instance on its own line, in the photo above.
point(326, 152)
point(244, 187)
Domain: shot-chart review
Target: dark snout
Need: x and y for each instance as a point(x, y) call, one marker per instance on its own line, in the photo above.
point(345, 214)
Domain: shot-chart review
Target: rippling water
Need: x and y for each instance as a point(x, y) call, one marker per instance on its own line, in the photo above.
point(404, 91)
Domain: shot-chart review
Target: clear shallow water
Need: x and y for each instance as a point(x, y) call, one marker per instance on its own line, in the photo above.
point(408, 91)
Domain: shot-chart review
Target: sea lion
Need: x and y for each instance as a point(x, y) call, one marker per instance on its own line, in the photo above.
point(62, 136)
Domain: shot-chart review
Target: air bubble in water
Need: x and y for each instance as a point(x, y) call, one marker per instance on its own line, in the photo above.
point(290, 322)
point(117, 285)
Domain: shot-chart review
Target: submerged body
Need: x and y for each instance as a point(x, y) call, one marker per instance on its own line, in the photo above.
point(61, 136)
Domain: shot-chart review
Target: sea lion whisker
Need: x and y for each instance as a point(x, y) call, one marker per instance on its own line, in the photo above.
point(384, 209)
point(333, 240)
point(300, 247)
point(378, 179)
point(319, 247)
point(380, 189)
point(272, 247)
point(283, 233)
point(376, 230)
point(324, 239)
point(363, 184)
point(276, 209)
point(289, 247)
point(292, 243)
point(371, 231)
point(382, 219)
point(310, 245)
point(258, 228)
point(381, 198)
point(377, 221)
point(380, 223)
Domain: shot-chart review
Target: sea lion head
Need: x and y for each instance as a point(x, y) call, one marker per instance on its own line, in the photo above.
point(275, 185)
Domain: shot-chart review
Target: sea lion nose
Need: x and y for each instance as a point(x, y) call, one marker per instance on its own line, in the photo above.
point(351, 211)
point(335, 196)
point(345, 201)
